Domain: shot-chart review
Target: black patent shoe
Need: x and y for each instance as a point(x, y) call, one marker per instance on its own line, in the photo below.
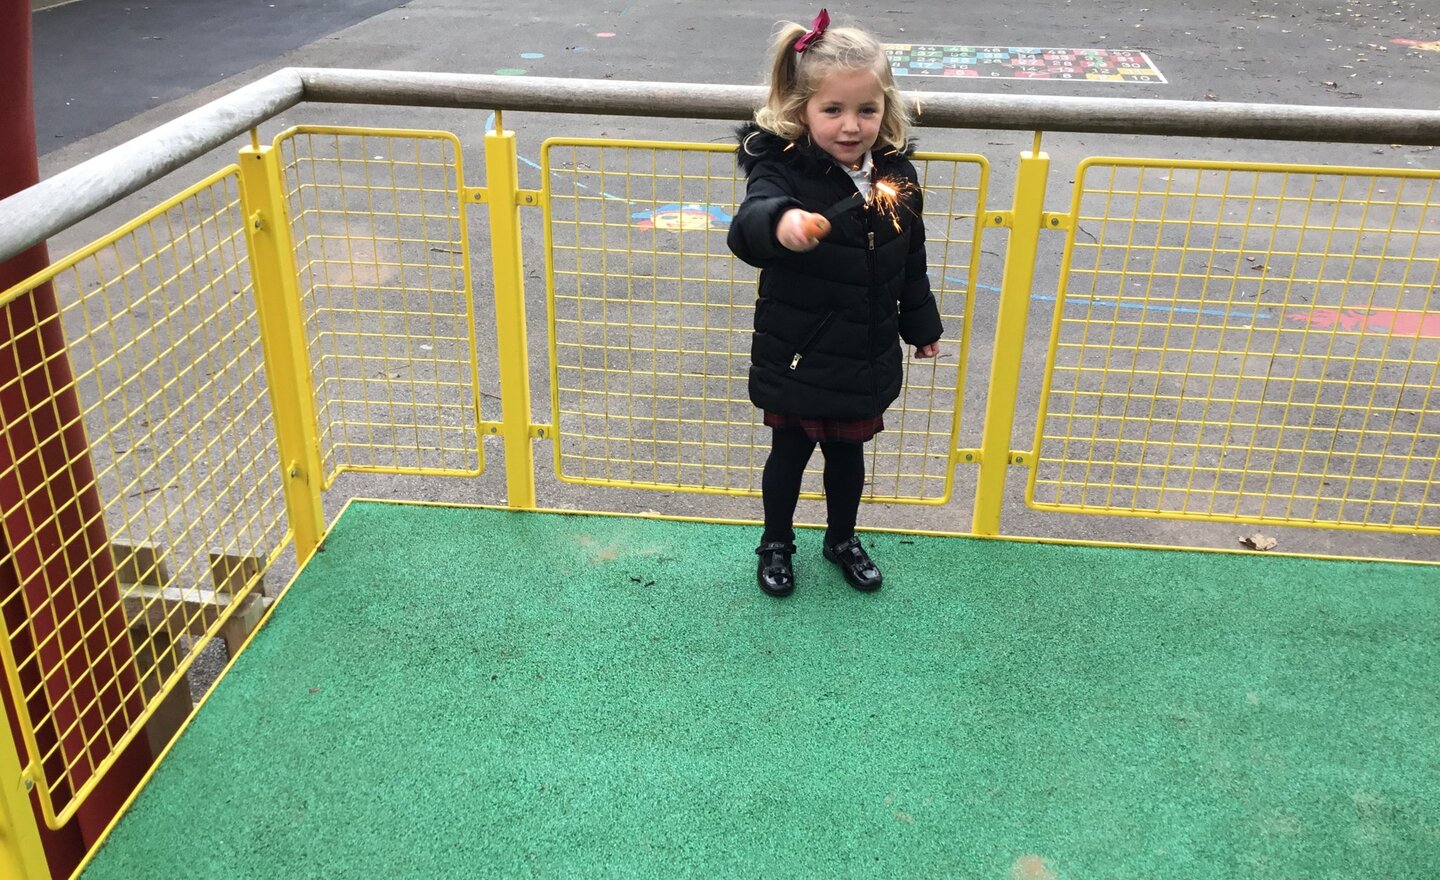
point(857, 566)
point(774, 573)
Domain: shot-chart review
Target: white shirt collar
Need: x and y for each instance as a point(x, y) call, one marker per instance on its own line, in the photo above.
point(861, 175)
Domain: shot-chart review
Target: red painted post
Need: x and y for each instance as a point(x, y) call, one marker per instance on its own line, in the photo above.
point(76, 587)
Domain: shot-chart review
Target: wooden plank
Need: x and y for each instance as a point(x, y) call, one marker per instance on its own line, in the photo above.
point(232, 574)
point(139, 564)
point(156, 658)
point(173, 610)
point(148, 596)
point(243, 622)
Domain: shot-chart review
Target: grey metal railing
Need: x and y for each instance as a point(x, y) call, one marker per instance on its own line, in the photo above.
point(33, 215)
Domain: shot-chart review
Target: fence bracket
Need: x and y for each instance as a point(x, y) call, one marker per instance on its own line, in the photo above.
point(479, 195)
point(538, 432)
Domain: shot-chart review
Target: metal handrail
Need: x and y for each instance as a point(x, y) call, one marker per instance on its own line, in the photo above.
point(939, 110)
point(33, 215)
point(57, 203)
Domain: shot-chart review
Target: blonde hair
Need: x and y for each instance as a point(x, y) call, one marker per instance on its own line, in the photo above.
point(796, 76)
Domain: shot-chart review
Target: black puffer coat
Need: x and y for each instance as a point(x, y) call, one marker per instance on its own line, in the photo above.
point(828, 323)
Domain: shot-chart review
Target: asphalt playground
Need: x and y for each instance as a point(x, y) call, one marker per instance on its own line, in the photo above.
point(106, 71)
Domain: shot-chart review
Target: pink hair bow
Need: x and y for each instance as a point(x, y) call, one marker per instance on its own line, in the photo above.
point(817, 30)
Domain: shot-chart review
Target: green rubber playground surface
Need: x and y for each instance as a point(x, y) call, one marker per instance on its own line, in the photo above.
point(467, 693)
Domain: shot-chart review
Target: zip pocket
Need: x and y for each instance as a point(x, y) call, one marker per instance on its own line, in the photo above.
point(810, 340)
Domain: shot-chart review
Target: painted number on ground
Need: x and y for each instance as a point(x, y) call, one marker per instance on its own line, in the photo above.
point(997, 62)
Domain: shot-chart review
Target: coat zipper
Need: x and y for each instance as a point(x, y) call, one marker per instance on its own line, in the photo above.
point(809, 340)
point(870, 325)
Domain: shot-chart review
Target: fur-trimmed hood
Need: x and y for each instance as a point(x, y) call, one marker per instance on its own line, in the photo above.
point(757, 143)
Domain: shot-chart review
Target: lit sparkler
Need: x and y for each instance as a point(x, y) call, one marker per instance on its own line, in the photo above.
point(887, 197)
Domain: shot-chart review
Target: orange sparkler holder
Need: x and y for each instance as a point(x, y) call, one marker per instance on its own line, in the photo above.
point(816, 225)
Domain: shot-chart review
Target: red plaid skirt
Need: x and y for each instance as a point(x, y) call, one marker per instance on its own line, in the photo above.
point(826, 430)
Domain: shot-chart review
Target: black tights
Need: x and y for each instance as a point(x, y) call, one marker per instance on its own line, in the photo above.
point(790, 450)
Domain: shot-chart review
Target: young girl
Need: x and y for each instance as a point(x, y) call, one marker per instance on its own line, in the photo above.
point(836, 294)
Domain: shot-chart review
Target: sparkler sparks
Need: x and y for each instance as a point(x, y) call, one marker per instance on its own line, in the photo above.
point(887, 198)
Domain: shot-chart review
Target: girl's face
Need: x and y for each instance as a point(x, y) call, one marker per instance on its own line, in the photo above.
point(844, 114)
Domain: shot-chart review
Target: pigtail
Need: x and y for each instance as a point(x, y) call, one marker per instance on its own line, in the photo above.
point(779, 115)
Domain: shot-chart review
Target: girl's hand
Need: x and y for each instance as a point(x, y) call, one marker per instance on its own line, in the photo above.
point(801, 231)
point(927, 351)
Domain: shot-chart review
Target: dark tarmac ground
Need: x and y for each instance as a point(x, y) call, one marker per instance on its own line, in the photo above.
point(102, 63)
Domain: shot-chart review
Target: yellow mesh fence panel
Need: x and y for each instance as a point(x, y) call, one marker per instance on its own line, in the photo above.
point(1247, 342)
point(118, 558)
point(378, 222)
point(651, 318)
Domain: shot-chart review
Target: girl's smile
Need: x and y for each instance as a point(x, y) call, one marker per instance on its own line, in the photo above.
point(843, 116)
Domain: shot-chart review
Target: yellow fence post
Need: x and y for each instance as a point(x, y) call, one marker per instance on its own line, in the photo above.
point(502, 182)
point(1025, 220)
point(22, 854)
point(287, 369)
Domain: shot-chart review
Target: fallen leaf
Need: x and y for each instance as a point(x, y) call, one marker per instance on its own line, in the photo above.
point(1258, 541)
